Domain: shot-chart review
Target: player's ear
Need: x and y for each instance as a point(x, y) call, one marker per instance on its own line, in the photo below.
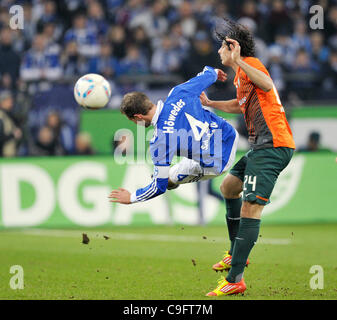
point(138, 117)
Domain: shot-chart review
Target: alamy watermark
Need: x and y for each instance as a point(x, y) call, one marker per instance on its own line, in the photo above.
point(317, 280)
point(17, 280)
point(17, 19)
point(317, 19)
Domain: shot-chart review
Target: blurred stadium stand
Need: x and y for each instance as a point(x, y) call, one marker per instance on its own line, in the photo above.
point(148, 46)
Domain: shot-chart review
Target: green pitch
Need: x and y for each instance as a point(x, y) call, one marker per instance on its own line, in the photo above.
point(164, 263)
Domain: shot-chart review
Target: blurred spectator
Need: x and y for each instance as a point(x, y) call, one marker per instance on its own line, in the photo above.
point(46, 144)
point(303, 75)
point(180, 43)
point(52, 35)
point(220, 10)
point(313, 144)
point(83, 145)
point(329, 74)
point(49, 15)
point(134, 63)
point(330, 25)
point(73, 64)
point(165, 59)
point(9, 61)
point(96, 18)
point(276, 69)
point(285, 45)
point(278, 21)
point(10, 134)
point(187, 19)
point(40, 63)
point(141, 39)
point(105, 64)
point(62, 133)
point(131, 9)
point(117, 38)
point(249, 10)
point(152, 20)
point(318, 50)
point(300, 36)
point(30, 25)
point(85, 37)
point(201, 54)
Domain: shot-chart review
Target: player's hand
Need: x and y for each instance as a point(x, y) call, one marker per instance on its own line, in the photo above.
point(121, 195)
point(222, 76)
point(204, 100)
point(235, 49)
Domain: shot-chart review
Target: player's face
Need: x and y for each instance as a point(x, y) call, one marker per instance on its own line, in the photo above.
point(224, 53)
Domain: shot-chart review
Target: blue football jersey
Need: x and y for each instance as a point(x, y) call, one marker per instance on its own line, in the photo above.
point(182, 127)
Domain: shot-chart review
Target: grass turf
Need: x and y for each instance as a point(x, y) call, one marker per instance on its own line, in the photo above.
point(156, 263)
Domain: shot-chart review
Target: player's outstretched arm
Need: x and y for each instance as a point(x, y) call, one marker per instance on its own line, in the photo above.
point(157, 187)
point(203, 80)
point(229, 106)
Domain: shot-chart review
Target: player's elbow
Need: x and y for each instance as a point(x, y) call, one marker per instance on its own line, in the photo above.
point(267, 85)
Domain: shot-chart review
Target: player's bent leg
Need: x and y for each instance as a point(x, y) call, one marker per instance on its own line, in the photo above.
point(187, 171)
point(231, 187)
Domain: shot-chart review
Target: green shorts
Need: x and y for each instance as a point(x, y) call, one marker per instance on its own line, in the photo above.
point(259, 170)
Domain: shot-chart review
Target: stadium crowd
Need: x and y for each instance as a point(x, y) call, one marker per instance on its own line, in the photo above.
point(160, 41)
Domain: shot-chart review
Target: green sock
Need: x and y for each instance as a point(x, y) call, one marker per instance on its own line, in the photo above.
point(233, 207)
point(244, 242)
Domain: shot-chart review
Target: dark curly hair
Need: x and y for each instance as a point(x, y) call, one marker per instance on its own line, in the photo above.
point(227, 28)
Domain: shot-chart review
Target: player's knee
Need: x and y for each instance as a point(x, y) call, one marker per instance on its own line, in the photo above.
point(231, 188)
point(227, 191)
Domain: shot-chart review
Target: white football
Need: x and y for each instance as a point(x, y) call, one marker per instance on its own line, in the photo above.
point(92, 91)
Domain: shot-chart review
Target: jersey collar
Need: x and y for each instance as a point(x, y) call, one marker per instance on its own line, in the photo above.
point(160, 105)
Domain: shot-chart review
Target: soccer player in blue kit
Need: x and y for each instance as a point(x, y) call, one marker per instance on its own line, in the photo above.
point(206, 142)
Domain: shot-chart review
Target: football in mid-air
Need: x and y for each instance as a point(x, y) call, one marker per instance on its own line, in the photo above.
point(92, 91)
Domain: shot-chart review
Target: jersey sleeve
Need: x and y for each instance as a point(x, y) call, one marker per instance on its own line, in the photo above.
point(157, 187)
point(257, 64)
point(201, 82)
point(162, 153)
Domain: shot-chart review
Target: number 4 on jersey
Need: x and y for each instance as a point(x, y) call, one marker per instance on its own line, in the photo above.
point(195, 124)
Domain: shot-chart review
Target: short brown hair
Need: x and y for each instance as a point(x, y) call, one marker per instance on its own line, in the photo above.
point(136, 103)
